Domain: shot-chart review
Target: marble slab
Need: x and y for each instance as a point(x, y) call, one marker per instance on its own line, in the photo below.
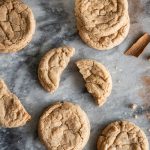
point(55, 27)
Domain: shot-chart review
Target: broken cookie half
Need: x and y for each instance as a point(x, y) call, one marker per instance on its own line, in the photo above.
point(12, 112)
point(52, 65)
point(98, 79)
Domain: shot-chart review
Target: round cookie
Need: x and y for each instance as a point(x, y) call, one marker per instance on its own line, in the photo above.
point(17, 25)
point(64, 126)
point(98, 79)
point(105, 42)
point(100, 17)
point(52, 65)
point(122, 135)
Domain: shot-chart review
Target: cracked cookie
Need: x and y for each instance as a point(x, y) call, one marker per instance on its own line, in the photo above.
point(105, 42)
point(102, 17)
point(17, 25)
point(122, 135)
point(97, 78)
point(107, 22)
point(52, 65)
point(64, 126)
point(12, 112)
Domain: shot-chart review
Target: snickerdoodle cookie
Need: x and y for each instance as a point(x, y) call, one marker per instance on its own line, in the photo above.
point(102, 17)
point(17, 25)
point(12, 112)
point(64, 126)
point(52, 65)
point(102, 24)
point(98, 79)
point(122, 135)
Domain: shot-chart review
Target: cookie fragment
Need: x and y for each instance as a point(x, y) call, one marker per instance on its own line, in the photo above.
point(133, 106)
point(135, 116)
point(52, 65)
point(139, 46)
point(64, 126)
point(12, 112)
point(97, 78)
point(17, 25)
point(122, 135)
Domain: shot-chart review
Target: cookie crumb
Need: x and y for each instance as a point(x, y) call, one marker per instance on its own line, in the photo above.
point(133, 106)
point(148, 116)
point(119, 81)
point(135, 116)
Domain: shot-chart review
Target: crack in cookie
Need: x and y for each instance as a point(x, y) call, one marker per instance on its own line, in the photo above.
point(64, 126)
point(52, 65)
point(12, 112)
point(97, 78)
point(105, 42)
point(122, 135)
point(102, 17)
point(102, 24)
point(17, 25)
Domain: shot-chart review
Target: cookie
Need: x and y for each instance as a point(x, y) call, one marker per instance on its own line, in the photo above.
point(17, 25)
point(106, 42)
point(102, 17)
point(98, 79)
point(64, 126)
point(122, 135)
point(12, 112)
point(52, 65)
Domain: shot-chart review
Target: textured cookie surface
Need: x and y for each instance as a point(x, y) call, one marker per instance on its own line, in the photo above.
point(102, 17)
point(17, 25)
point(122, 135)
point(106, 42)
point(12, 113)
point(64, 126)
point(52, 65)
point(97, 78)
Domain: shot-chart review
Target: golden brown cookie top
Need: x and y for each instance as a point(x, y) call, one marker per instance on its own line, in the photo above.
point(122, 135)
point(105, 42)
point(102, 17)
point(97, 78)
point(64, 126)
point(52, 65)
point(17, 25)
point(12, 112)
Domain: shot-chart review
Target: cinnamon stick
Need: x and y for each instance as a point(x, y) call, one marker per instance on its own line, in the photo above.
point(138, 47)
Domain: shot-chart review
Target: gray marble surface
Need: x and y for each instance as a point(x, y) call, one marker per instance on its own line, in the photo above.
point(55, 27)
